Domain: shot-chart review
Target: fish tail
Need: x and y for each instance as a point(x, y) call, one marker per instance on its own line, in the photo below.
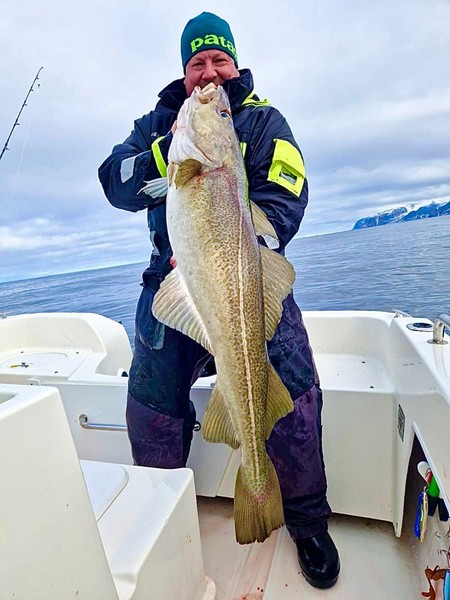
point(256, 516)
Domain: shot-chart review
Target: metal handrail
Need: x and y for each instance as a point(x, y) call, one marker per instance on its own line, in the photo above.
point(400, 313)
point(440, 324)
point(84, 422)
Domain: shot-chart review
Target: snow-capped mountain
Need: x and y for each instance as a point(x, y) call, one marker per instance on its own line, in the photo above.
point(404, 213)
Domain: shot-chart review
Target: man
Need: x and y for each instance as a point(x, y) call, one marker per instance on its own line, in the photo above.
point(160, 416)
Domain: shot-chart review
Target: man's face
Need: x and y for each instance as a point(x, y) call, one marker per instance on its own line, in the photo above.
point(209, 66)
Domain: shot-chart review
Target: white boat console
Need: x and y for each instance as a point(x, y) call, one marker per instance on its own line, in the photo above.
point(118, 532)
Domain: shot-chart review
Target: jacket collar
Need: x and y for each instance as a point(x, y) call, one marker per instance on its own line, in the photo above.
point(238, 89)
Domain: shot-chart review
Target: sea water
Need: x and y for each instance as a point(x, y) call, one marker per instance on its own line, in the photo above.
point(398, 266)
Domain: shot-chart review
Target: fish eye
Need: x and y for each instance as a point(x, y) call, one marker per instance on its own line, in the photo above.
point(224, 114)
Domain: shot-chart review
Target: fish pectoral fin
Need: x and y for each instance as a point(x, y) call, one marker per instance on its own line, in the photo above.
point(256, 516)
point(263, 226)
point(217, 425)
point(279, 401)
point(171, 172)
point(173, 306)
point(188, 169)
point(278, 279)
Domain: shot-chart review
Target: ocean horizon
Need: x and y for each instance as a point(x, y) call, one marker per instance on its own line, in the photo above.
point(397, 266)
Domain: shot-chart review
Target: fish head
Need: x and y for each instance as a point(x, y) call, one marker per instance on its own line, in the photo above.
point(204, 130)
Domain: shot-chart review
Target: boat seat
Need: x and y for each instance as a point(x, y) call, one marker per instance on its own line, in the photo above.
point(117, 533)
point(147, 521)
point(52, 348)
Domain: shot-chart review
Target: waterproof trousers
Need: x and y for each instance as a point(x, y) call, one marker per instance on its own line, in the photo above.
point(161, 417)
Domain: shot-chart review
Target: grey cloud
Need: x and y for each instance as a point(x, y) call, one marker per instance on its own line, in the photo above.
point(363, 86)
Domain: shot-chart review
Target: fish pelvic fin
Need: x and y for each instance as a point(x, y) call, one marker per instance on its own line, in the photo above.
point(256, 516)
point(279, 401)
point(180, 174)
point(278, 279)
point(173, 306)
point(263, 226)
point(217, 425)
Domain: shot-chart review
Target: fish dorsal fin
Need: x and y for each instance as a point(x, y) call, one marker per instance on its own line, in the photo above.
point(173, 306)
point(278, 279)
point(217, 425)
point(279, 401)
point(183, 172)
point(263, 226)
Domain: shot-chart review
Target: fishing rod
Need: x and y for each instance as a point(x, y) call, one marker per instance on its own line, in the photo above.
point(16, 122)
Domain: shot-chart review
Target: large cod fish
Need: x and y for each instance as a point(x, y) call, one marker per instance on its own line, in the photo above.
point(226, 293)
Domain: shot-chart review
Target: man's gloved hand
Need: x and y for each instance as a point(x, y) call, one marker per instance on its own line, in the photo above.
point(156, 188)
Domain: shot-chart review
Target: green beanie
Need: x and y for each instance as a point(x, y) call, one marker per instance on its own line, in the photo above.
point(206, 32)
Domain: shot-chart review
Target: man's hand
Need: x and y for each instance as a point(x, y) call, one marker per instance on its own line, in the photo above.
point(173, 128)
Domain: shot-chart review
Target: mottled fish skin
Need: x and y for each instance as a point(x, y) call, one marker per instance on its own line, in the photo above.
point(218, 261)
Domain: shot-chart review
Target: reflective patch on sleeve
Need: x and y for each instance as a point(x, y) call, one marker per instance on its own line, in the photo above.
point(155, 251)
point(287, 168)
point(127, 168)
point(249, 101)
point(157, 155)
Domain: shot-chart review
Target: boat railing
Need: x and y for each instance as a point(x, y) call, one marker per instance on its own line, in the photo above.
point(440, 324)
point(84, 422)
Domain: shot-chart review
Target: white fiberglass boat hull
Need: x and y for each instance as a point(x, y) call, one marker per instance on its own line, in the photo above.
point(386, 389)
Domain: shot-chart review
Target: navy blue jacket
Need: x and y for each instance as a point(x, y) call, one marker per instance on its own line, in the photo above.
point(257, 125)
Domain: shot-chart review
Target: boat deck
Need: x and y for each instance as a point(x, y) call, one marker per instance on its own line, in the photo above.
point(375, 565)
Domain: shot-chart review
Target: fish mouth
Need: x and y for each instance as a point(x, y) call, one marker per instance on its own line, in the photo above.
point(206, 94)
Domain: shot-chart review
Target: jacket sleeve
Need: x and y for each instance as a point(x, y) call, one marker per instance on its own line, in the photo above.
point(131, 164)
point(276, 175)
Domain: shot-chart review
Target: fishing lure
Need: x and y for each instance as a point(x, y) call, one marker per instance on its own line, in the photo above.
point(434, 575)
point(420, 525)
point(446, 590)
point(446, 593)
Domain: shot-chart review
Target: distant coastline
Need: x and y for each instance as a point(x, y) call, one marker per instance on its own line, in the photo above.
point(404, 213)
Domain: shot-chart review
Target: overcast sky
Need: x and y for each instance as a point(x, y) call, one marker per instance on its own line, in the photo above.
point(365, 87)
